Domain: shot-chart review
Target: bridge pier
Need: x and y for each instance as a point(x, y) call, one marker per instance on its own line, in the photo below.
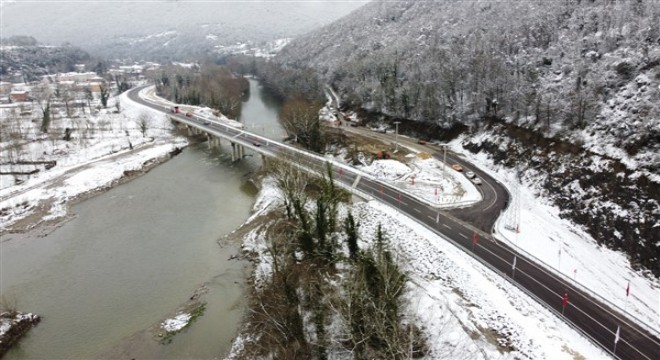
point(237, 152)
point(212, 141)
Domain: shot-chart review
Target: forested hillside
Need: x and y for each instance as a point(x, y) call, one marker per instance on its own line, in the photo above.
point(572, 89)
point(172, 31)
point(23, 54)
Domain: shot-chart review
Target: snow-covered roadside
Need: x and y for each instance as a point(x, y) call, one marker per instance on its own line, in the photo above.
point(568, 249)
point(427, 179)
point(464, 309)
point(424, 178)
point(456, 298)
point(149, 93)
point(92, 163)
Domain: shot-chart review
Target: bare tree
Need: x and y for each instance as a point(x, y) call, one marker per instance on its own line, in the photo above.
point(291, 180)
point(300, 118)
point(65, 94)
point(8, 303)
point(144, 123)
point(43, 95)
point(89, 96)
point(105, 94)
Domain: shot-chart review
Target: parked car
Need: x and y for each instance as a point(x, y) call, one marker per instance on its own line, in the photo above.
point(457, 167)
point(469, 174)
point(476, 181)
point(421, 142)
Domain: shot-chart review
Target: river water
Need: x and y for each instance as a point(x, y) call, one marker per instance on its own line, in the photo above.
point(133, 254)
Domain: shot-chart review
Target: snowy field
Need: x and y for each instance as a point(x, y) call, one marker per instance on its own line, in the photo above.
point(558, 244)
point(565, 248)
point(454, 296)
point(105, 146)
point(465, 310)
point(426, 179)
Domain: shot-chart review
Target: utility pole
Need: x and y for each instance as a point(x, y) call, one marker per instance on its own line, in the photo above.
point(444, 161)
point(396, 135)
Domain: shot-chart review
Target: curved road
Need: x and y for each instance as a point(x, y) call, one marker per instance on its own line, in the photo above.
point(470, 229)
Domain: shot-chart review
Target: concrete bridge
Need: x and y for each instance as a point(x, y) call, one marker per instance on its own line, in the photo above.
point(215, 131)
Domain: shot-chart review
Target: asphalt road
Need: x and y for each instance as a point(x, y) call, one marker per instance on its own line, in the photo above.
point(470, 229)
point(495, 197)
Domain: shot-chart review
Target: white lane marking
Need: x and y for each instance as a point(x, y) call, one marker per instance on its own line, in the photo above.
point(494, 195)
point(418, 210)
point(357, 180)
point(465, 236)
point(447, 226)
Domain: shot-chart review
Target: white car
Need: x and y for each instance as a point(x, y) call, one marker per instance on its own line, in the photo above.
point(476, 181)
point(469, 174)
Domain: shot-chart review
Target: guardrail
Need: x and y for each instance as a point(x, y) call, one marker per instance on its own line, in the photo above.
point(544, 267)
point(548, 268)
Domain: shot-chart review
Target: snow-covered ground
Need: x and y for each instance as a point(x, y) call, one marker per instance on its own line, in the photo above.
point(557, 243)
point(427, 179)
point(455, 297)
point(149, 93)
point(465, 310)
point(565, 248)
point(176, 323)
point(98, 154)
point(452, 294)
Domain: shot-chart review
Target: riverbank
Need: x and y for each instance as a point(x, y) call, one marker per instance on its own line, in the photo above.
point(145, 247)
point(105, 150)
point(462, 308)
point(13, 325)
point(46, 206)
point(102, 151)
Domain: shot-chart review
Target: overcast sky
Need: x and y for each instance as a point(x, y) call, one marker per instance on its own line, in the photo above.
point(88, 23)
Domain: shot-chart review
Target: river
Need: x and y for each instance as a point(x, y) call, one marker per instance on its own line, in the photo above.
point(132, 255)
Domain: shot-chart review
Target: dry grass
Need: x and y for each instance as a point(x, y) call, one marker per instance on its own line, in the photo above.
point(8, 303)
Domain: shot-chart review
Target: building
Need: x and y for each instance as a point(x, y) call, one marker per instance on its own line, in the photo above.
point(18, 96)
point(93, 86)
point(77, 77)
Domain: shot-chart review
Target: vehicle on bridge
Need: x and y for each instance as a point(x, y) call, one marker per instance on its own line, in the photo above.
point(189, 114)
point(175, 109)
